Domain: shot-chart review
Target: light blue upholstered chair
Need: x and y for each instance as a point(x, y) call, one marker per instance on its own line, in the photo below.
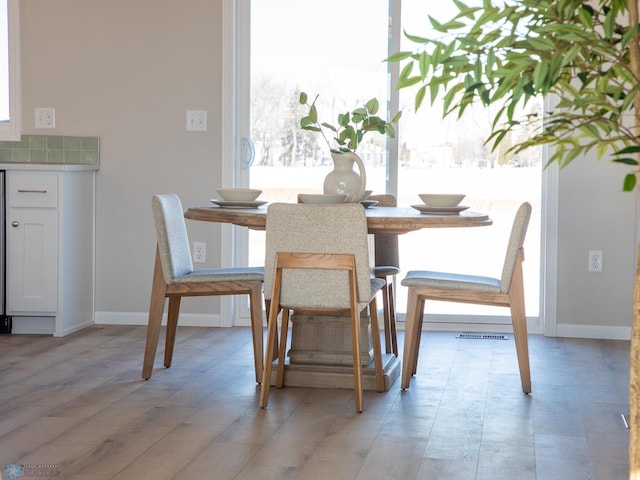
point(387, 266)
point(317, 258)
point(506, 291)
point(174, 278)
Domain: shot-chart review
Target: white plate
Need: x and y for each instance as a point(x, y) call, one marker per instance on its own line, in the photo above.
point(225, 204)
point(440, 210)
point(368, 203)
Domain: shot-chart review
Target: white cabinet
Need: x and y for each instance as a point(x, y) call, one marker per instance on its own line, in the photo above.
point(50, 250)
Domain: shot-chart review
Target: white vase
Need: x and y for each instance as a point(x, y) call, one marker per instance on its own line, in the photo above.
point(344, 179)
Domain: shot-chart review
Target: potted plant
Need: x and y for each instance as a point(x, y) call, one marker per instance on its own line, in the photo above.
point(347, 136)
point(586, 54)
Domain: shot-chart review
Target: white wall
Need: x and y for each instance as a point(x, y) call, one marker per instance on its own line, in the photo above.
point(127, 70)
point(594, 214)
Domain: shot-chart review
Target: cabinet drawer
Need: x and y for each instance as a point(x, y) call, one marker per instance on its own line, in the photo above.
point(37, 190)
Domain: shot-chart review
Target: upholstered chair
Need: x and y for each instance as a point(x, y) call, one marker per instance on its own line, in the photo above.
point(317, 260)
point(506, 291)
point(174, 277)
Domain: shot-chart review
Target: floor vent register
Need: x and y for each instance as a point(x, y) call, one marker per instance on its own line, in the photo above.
point(482, 336)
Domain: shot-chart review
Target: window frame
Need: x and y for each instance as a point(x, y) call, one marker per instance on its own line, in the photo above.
point(11, 130)
point(235, 93)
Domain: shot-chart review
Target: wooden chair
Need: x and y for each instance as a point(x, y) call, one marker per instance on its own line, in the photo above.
point(387, 266)
point(174, 278)
point(506, 291)
point(317, 260)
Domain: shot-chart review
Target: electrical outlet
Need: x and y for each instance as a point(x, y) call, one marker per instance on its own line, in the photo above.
point(45, 117)
point(595, 261)
point(199, 252)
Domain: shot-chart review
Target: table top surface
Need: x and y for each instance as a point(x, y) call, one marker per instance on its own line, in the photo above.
point(396, 220)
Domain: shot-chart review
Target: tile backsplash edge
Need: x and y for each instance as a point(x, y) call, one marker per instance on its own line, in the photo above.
point(52, 149)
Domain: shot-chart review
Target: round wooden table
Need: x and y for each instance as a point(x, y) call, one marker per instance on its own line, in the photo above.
point(309, 337)
point(396, 220)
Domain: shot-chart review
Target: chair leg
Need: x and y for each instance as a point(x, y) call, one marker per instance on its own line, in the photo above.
point(386, 317)
point(519, 321)
point(272, 330)
point(284, 331)
point(357, 366)
point(255, 304)
point(267, 307)
point(355, 338)
point(420, 320)
point(268, 356)
point(392, 318)
point(377, 348)
point(412, 337)
point(172, 327)
point(156, 307)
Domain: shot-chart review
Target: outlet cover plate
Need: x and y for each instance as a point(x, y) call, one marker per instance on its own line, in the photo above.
point(45, 117)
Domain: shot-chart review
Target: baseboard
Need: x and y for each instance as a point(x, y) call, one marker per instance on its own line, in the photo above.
point(24, 325)
point(75, 328)
point(134, 318)
point(433, 323)
point(471, 323)
point(601, 332)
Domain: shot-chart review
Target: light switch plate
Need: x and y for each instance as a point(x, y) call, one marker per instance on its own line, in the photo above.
point(45, 117)
point(196, 120)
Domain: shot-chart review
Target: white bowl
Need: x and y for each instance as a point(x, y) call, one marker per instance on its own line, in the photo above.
point(322, 197)
point(239, 194)
point(366, 195)
point(441, 199)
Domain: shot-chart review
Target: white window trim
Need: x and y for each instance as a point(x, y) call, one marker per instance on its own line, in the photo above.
point(235, 31)
point(11, 130)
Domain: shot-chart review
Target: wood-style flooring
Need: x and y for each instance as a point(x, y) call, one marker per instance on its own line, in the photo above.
point(79, 402)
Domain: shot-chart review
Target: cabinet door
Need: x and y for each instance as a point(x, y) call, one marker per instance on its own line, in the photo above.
point(32, 260)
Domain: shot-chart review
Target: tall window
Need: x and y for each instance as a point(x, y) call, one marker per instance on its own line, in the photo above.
point(337, 49)
point(9, 70)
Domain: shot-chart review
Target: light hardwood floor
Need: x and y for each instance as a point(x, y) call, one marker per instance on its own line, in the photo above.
point(79, 402)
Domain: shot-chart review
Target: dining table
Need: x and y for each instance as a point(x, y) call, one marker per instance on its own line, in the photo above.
point(320, 350)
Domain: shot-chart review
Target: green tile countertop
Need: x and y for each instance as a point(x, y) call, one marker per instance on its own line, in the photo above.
point(51, 149)
point(61, 167)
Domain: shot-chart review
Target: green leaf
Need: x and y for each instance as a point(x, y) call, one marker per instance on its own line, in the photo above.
point(586, 16)
point(372, 106)
point(629, 35)
point(416, 39)
point(313, 114)
point(630, 149)
point(437, 25)
point(390, 131)
point(420, 94)
point(399, 56)
point(610, 23)
point(629, 182)
point(303, 98)
point(453, 25)
point(329, 126)
point(540, 73)
point(405, 72)
point(626, 161)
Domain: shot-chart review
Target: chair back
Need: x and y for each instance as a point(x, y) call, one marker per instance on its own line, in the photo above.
point(386, 248)
point(516, 241)
point(315, 228)
point(171, 234)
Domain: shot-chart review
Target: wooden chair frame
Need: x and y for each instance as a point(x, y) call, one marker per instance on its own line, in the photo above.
point(174, 292)
point(325, 261)
point(514, 299)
